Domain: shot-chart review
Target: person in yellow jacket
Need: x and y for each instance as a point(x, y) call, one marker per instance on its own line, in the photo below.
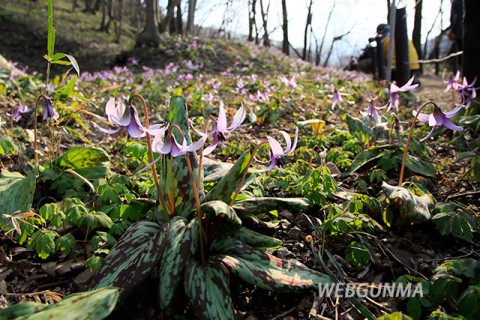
point(384, 30)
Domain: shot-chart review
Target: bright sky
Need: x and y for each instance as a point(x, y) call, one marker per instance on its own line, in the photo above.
point(360, 17)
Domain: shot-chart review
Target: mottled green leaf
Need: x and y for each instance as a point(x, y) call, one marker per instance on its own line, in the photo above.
point(420, 166)
point(180, 248)
point(412, 207)
point(90, 163)
point(264, 270)
point(7, 146)
point(174, 176)
point(357, 127)
point(214, 170)
point(266, 204)
point(20, 311)
point(249, 236)
point(221, 210)
point(208, 291)
point(95, 304)
point(133, 257)
point(16, 192)
point(224, 189)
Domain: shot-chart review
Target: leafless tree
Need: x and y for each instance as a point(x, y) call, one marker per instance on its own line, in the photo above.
point(471, 46)
point(285, 45)
point(176, 24)
point(107, 15)
point(149, 35)
point(330, 50)
point(417, 28)
point(172, 4)
point(252, 20)
point(119, 24)
point(192, 4)
point(264, 14)
point(320, 49)
point(308, 25)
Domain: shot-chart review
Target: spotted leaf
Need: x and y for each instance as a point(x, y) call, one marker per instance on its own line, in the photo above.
point(14, 185)
point(411, 206)
point(266, 204)
point(264, 270)
point(180, 248)
point(90, 163)
point(133, 257)
point(249, 236)
point(220, 209)
point(208, 291)
point(224, 189)
point(95, 304)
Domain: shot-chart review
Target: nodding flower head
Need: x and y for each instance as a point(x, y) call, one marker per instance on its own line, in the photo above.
point(336, 99)
point(276, 151)
point(372, 110)
point(17, 115)
point(438, 118)
point(221, 129)
point(394, 90)
point(122, 116)
point(49, 113)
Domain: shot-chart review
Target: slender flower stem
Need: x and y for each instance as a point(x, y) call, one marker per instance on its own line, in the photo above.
point(35, 146)
point(200, 157)
point(150, 151)
point(246, 171)
point(405, 153)
point(196, 193)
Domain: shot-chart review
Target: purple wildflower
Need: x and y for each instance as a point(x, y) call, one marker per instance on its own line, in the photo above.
point(439, 118)
point(291, 83)
point(372, 110)
point(276, 152)
point(122, 116)
point(17, 115)
point(467, 91)
point(168, 145)
point(452, 82)
point(221, 128)
point(394, 90)
point(336, 99)
point(48, 111)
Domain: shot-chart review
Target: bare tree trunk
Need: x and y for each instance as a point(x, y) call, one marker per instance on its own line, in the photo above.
point(325, 33)
point(149, 36)
point(285, 46)
point(89, 6)
point(179, 21)
point(251, 18)
point(192, 4)
point(307, 24)
point(74, 5)
point(417, 29)
point(104, 17)
point(471, 45)
point(169, 16)
point(330, 50)
point(264, 13)
point(118, 31)
point(402, 71)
